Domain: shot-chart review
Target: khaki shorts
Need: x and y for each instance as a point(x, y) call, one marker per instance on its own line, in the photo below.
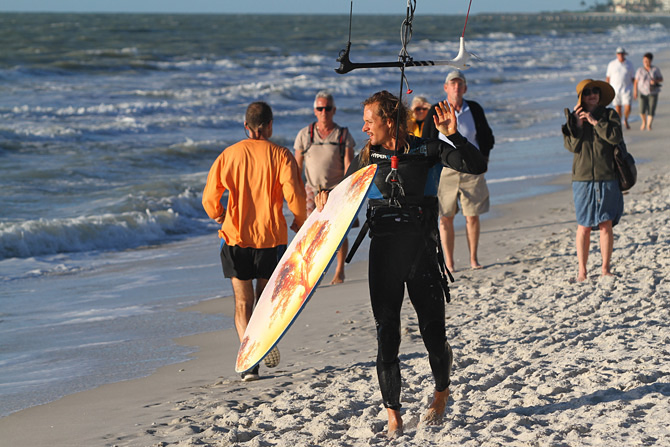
point(470, 189)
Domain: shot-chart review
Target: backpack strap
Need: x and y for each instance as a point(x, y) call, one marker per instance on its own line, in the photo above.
point(342, 140)
point(344, 133)
point(311, 137)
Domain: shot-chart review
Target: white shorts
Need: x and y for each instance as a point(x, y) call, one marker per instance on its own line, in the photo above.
point(622, 98)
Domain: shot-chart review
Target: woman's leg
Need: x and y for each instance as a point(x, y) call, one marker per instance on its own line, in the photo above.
point(606, 245)
point(583, 243)
point(653, 100)
point(644, 106)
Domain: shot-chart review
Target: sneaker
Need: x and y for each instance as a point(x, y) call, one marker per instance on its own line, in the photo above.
point(272, 359)
point(251, 375)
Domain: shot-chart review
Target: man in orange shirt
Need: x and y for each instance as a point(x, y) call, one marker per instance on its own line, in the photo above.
point(258, 176)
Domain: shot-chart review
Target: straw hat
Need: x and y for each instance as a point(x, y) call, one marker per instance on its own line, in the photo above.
point(606, 91)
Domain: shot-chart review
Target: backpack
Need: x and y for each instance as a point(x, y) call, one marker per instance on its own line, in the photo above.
point(342, 140)
point(624, 166)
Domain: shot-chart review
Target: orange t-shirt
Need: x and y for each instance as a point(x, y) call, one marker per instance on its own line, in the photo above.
point(258, 176)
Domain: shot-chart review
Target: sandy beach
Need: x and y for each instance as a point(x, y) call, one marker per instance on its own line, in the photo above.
point(539, 358)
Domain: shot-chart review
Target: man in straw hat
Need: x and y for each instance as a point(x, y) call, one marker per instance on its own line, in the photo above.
point(620, 75)
point(591, 133)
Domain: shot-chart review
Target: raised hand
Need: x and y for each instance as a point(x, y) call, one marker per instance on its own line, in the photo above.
point(445, 119)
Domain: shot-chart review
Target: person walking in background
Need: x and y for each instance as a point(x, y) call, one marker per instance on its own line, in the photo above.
point(324, 150)
point(418, 113)
point(468, 189)
point(647, 85)
point(258, 176)
point(591, 133)
point(620, 75)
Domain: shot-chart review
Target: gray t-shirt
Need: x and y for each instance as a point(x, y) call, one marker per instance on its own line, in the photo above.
point(323, 159)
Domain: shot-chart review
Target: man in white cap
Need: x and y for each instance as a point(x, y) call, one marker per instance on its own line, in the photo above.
point(468, 189)
point(620, 75)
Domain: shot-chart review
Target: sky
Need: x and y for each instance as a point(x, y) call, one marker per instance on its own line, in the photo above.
point(290, 6)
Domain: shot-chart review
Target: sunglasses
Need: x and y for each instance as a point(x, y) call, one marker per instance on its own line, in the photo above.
point(327, 108)
point(420, 109)
point(591, 91)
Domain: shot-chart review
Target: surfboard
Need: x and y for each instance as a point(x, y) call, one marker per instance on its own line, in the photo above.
point(302, 267)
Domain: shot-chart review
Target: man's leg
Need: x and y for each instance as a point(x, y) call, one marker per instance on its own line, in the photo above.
point(341, 257)
point(626, 112)
point(427, 298)
point(473, 228)
point(447, 237)
point(244, 304)
point(260, 286)
point(583, 242)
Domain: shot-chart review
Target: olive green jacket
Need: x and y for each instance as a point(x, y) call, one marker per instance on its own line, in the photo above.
point(593, 146)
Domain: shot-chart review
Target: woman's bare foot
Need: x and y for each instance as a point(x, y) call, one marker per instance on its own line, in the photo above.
point(476, 265)
point(581, 276)
point(435, 412)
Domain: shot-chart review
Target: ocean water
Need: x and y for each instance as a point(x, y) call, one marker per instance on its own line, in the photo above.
point(110, 122)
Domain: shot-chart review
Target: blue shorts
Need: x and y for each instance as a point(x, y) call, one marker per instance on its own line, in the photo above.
point(597, 202)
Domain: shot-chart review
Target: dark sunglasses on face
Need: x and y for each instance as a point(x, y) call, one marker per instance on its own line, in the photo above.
point(420, 109)
point(590, 91)
point(327, 108)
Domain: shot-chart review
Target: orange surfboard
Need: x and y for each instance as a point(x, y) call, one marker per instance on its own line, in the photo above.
point(302, 267)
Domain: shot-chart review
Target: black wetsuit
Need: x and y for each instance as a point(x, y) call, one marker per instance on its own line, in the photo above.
point(407, 253)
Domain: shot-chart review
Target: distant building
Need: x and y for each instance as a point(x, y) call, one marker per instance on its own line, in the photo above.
point(626, 6)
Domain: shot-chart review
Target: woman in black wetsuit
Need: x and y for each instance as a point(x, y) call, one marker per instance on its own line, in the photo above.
point(402, 216)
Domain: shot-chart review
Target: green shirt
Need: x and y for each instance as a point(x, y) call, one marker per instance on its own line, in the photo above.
point(593, 146)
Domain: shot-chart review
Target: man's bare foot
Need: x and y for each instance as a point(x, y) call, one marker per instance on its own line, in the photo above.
point(642, 127)
point(395, 424)
point(435, 412)
point(451, 268)
point(607, 272)
point(476, 265)
point(338, 278)
point(581, 277)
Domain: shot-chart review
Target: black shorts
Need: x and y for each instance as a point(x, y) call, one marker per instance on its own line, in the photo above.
point(249, 263)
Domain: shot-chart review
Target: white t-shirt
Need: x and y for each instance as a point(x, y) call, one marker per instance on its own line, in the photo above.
point(466, 125)
point(621, 75)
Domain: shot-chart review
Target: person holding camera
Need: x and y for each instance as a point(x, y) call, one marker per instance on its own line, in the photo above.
point(591, 133)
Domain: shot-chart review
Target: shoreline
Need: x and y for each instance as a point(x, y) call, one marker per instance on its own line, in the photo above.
point(334, 337)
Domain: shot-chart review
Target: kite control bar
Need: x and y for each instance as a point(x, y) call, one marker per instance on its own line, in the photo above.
point(346, 65)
